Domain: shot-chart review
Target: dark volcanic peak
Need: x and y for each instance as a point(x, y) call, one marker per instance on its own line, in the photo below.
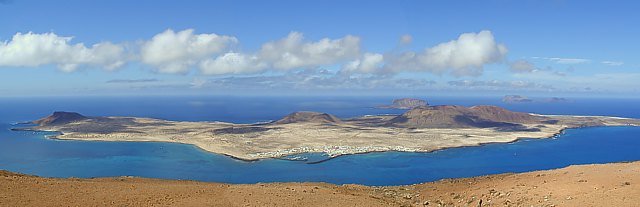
point(461, 117)
point(60, 117)
point(432, 117)
point(308, 116)
point(499, 114)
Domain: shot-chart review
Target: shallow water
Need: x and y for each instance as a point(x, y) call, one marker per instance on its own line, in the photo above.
point(30, 152)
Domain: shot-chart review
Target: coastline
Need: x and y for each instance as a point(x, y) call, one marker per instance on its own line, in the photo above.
point(328, 158)
point(56, 137)
point(367, 134)
point(435, 150)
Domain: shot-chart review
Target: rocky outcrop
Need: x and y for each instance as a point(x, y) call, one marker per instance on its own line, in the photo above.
point(515, 99)
point(462, 117)
point(406, 103)
point(308, 116)
point(60, 117)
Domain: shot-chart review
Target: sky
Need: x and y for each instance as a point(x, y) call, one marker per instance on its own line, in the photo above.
point(496, 47)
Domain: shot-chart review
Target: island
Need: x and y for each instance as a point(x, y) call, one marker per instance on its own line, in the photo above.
point(405, 103)
point(515, 99)
point(558, 99)
point(421, 129)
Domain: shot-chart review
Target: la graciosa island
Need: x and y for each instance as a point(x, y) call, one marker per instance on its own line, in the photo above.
point(421, 129)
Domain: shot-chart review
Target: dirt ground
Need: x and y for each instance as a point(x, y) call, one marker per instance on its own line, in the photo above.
point(616, 184)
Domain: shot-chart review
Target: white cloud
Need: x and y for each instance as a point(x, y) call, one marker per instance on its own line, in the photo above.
point(370, 63)
point(315, 79)
point(499, 84)
point(145, 80)
point(406, 39)
point(179, 52)
point(612, 63)
point(569, 60)
point(232, 63)
point(172, 52)
point(564, 60)
point(464, 56)
point(198, 83)
point(471, 50)
point(522, 66)
point(288, 53)
point(32, 50)
point(292, 53)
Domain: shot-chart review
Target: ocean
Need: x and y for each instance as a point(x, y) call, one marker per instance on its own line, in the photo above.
point(32, 153)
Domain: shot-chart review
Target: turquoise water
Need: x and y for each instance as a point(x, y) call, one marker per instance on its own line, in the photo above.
point(30, 152)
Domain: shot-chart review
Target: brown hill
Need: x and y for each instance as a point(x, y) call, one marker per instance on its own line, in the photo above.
point(462, 117)
point(60, 117)
point(308, 116)
point(499, 114)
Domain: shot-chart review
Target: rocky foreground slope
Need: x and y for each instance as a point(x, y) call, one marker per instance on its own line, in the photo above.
point(421, 129)
point(616, 184)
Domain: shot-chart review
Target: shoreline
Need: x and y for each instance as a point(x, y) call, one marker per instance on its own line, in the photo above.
point(328, 158)
point(478, 145)
point(55, 137)
point(367, 134)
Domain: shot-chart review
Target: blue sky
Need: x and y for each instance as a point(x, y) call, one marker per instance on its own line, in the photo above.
point(551, 48)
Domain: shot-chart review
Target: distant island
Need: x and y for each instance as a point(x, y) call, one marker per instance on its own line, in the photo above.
point(515, 99)
point(524, 99)
point(406, 103)
point(421, 129)
point(558, 99)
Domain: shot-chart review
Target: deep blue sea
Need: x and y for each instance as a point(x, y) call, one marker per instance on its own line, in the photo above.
point(32, 153)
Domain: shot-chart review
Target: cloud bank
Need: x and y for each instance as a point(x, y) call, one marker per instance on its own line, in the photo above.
point(499, 85)
point(33, 50)
point(291, 52)
point(612, 63)
point(132, 80)
point(522, 66)
point(176, 52)
point(311, 79)
point(464, 56)
point(566, 61)
point(180, 52)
